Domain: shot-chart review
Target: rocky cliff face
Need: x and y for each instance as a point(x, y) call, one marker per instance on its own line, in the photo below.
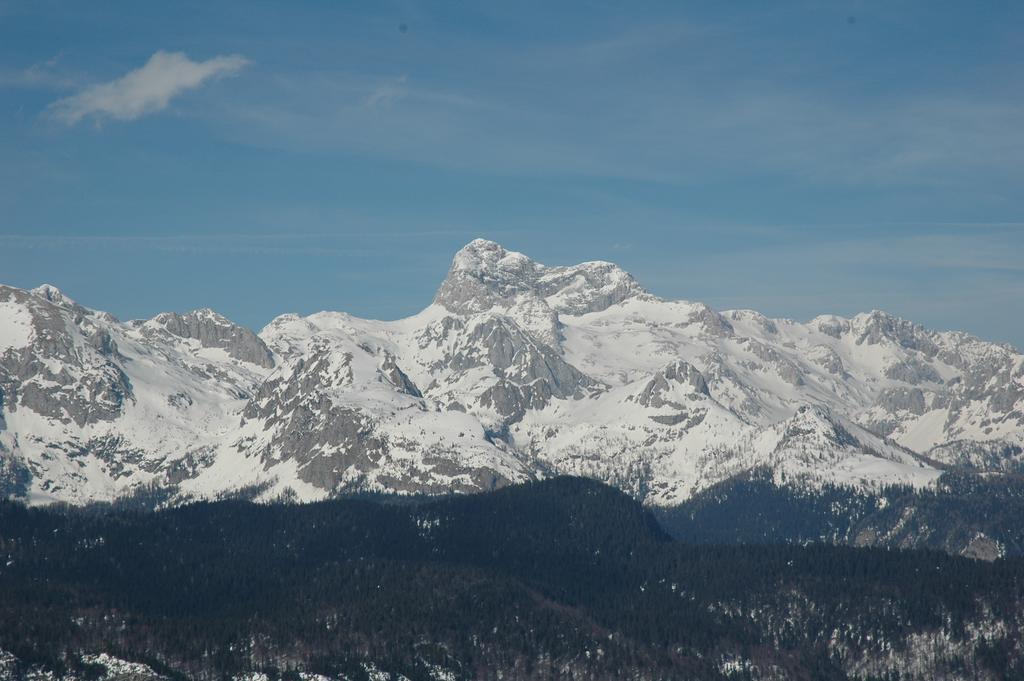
point(517, 370)
point(213, 331)
point(485, 276)
point(65, 366)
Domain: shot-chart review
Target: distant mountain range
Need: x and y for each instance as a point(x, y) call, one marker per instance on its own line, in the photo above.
point(517, 371)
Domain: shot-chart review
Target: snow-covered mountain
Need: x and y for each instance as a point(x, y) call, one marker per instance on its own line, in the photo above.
point(516, 371)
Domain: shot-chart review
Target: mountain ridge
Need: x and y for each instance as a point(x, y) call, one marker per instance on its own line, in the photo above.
point(516, 371)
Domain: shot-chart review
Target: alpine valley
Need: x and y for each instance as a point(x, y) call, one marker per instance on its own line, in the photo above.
point(516, 372)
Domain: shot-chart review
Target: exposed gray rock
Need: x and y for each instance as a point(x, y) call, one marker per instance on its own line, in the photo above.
point(512, 400)
point(828, 359)
point(181, 400)
point(810, 428)
point(831, 325)
point(677, 373)
point(783, 366)
point(913, 370)
point(330, 443)
point(500, 344)
point(903, 399)
point(53, 376)
point(686, 419)
point(103, 343)
point(189, 466)
point(877, 327)
point(394, 374)
point(993, 383)
point(711, 322)
point(56, 297)
point(766, 325)
point(484, 275)
point(590, 287)
point(722, 380)
point(116, 456)
point(215, 331)
point(985, 548)
point(304, 380)
point(99, 395)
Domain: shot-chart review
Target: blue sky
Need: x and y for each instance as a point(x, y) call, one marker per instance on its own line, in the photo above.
point(261, 158)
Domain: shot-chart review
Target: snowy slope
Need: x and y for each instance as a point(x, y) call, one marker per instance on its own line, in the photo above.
point(516, 371)
point(93, 407)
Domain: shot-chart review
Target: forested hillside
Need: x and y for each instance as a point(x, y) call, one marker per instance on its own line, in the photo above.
point(964, 514)
point(559, 579)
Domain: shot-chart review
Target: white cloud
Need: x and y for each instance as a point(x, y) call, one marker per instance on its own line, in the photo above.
point(386, 93)
point(40, 75)
point(145, 90)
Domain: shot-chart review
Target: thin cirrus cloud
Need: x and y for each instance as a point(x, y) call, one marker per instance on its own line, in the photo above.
point(145, 90)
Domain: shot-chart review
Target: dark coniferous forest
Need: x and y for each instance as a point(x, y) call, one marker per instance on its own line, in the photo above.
point(965, 514)
point(559, 579)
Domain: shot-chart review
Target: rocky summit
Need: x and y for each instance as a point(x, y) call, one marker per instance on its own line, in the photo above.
point(516, 371)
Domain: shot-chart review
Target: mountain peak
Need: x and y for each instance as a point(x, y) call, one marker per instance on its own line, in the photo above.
point(488, 261)
point(484, 274)
point(51, 293)
point(481, 252)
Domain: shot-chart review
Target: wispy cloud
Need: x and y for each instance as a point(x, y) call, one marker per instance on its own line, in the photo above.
point(386, 93)
point(674, 102)
point(145, 90)
point(40, 75)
